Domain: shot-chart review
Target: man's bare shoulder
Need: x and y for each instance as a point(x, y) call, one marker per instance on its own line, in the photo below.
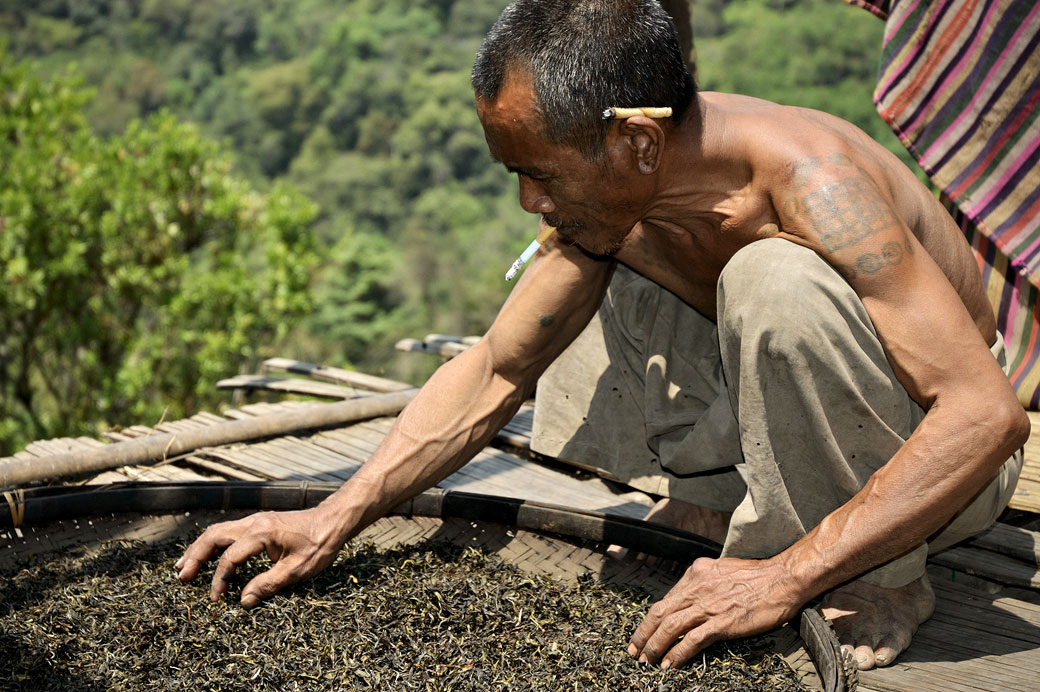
point(782, 143)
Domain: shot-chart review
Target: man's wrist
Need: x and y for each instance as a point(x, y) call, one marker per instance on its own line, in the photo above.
point(339, 515)
point(800, 574)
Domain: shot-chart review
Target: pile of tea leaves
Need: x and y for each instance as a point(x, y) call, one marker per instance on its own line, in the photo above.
point(427, 618)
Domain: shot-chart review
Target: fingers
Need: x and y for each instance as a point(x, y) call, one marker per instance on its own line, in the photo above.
point(657, 642)
point(205, 548)
point(267, 584)
point(647, 628)
point(688, 647)
point(236, 555)
point(239, 545)
point(654, 638)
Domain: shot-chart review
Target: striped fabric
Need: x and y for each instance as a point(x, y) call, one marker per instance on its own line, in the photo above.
point(1014, 300)
point(959, 84)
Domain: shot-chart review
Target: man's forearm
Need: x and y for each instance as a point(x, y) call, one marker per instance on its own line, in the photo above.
point(943, 464)
point(454, 416)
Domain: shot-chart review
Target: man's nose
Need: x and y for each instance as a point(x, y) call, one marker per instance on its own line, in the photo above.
point(533, 198)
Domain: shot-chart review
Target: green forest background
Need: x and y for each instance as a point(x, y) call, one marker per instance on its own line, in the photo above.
point(189, 187)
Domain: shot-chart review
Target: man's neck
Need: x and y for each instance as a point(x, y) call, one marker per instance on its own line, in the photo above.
point(698, 169)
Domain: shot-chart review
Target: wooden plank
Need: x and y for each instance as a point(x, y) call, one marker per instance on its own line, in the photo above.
point(1032, 446)
point(291, 386)
point(989, 565)
point(336, 375)
point(175, 426)
point(1026, 497)
point(41, 448)
point(1012, 541)
point(334, 444)
point(223, 470)
point(1001, 629)
point(178, 473)
point(1027, 494)
point(208, 418)
point(244, 463)
point(216, 462)
point(262, 408)
point(296, 458)
point(444, 349)
point(110, 477)
point(319, 454)
point(253, 457)
point(928, 678)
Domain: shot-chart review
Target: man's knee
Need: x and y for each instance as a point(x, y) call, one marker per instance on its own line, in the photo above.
point(787, 294)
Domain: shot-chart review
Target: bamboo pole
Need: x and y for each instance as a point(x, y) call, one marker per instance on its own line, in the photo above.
point(15, 472)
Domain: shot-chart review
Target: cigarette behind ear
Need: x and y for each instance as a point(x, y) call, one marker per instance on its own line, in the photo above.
point(650, 112)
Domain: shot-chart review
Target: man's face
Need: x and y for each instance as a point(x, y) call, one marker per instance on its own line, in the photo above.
point(590, 204)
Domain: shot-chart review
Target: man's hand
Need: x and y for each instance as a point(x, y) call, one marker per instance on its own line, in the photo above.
point(301, 544)
point(715, 599)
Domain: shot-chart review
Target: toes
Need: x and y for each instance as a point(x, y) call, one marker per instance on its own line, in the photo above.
point(864, 656)
point(890, 647)
point(885, 656)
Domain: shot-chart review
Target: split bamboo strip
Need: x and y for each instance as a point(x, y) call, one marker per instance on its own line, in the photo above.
point(14, 472)
point(329, 374)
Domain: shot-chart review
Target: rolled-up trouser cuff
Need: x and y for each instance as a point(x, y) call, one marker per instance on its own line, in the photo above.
point(901, 571)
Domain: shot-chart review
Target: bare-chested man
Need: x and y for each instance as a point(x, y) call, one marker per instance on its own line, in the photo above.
point(841, 296)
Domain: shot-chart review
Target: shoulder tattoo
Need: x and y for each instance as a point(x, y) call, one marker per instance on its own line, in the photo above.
point(845, 212)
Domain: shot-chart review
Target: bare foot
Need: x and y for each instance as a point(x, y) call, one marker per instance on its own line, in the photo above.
point(875, 624)
point(709, 523)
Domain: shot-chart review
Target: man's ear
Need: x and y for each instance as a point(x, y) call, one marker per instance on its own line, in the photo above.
point(644, 139)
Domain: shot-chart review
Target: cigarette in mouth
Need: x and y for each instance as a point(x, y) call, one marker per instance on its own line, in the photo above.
point(622, 113)
point(529, 252)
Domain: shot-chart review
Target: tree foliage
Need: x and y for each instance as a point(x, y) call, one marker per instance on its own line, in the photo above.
point(822, 54)
point(137, 269)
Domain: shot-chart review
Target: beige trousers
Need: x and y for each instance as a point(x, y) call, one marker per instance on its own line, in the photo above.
point(779, 413)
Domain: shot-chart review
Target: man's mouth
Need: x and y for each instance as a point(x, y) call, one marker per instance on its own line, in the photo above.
point(562, 226)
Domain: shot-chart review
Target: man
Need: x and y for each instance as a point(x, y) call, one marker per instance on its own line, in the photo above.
point(849, 315)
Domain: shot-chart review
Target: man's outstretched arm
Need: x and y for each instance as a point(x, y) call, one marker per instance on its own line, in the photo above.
point(454, 416)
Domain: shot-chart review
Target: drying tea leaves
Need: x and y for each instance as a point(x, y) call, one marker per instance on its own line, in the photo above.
point(428, 618)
